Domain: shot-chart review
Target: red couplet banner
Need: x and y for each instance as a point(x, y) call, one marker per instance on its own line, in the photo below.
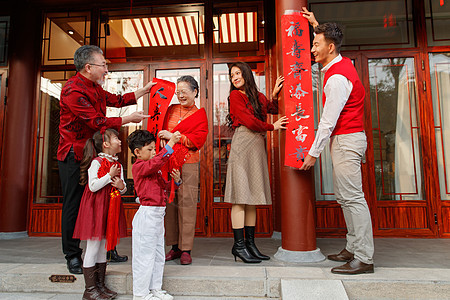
point(298, 96)
point(160, 96)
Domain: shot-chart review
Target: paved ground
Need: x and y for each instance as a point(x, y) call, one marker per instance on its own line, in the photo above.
point(389, 253)
point(404, 269)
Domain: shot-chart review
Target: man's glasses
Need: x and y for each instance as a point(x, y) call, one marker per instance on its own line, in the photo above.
point(105, 66)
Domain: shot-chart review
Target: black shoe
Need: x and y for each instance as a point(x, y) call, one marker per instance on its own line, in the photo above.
point(113, 256)
point(74, 265)
point(240, 250)
point(250, 243)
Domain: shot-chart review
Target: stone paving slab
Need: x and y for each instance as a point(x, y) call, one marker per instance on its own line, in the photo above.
point(295, 289)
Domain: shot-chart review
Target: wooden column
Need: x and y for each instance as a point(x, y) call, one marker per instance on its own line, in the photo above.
point(16, 170)
point(298, 228)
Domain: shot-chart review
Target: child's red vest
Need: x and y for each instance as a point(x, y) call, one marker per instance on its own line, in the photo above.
point(351, 118)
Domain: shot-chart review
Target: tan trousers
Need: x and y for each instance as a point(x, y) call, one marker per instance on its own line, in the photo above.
point(347, 151)
point(181, 214)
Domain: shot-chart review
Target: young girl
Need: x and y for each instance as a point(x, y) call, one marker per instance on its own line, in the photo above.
point(101, 218)
point(247, 181)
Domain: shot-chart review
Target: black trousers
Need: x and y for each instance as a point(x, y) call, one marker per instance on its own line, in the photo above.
point(69, 173)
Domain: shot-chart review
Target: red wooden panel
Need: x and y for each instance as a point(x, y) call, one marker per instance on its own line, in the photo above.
point(329, 218)
point(445, 222)
point(221, 222)
point(45, 222)
point(402, 218)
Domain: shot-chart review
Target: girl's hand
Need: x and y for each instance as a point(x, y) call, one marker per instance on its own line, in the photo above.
point(277, 87)
point(165, 134)
point(281, 123)
point(114, 171)
point(175, 174)
point(162, 143)
point(309, 15)
point(117, 182)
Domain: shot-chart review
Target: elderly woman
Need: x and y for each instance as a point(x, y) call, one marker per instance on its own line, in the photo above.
point(191, 122)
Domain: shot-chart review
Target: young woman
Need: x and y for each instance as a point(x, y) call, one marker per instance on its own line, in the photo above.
point(247, 181)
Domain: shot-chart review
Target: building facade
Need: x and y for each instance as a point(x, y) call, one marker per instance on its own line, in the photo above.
point(401, 49)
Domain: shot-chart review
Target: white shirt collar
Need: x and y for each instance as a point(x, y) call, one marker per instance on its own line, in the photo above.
point(335, 60)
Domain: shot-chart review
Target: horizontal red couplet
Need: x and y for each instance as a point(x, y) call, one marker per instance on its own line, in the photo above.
point(160, 96)
point(298, 96)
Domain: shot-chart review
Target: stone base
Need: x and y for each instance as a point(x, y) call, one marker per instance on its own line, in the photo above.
point(299, 256)
point(13, 235)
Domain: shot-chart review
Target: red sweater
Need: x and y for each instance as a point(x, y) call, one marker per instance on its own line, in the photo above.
point(149, 183)
point(241, 111)
point(351, 117)
point(83, 112)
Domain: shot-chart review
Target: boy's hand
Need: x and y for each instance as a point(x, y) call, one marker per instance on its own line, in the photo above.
point(175, 174)
point(118, 183)
point(114, 171)
point(175, 138)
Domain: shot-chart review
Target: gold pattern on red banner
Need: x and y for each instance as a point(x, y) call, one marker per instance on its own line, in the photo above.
point(298, 96)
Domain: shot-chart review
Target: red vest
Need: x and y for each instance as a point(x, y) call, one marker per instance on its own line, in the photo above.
point(351, 117)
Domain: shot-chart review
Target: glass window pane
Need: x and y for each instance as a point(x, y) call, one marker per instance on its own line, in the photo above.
point(222, 135)
point(398, 170)
point(369, 24)
point(4, 29)
point(323, 172)
point(48, 185)
point(437, 16)
point(238, 29)
point(64, 33)
point(440, 80)
point(171, 31)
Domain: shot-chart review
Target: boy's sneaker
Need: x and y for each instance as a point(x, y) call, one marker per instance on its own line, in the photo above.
point(148, 297)
point(160, 294)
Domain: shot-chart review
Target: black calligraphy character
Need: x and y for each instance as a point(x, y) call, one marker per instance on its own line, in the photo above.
point(297, 68)
point(299, 113)
point(159, 93)
point(294, 29)
point(296, 49)
point(156, 112)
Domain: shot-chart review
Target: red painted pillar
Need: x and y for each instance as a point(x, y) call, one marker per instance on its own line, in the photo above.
point(16, 165)
point(298, 228)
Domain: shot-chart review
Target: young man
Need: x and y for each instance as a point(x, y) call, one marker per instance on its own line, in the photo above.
point(342, 120)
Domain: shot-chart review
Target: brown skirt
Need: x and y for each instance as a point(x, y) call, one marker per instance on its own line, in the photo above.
point(247, 173)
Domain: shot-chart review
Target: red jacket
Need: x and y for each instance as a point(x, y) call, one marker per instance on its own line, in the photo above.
point(351, 117)
point(241, 111)
point(83, 112)
point(149, 183)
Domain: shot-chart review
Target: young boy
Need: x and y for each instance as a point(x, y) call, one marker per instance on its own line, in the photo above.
point(148, 223)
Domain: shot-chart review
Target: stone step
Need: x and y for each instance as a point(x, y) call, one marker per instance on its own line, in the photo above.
point(241, 282)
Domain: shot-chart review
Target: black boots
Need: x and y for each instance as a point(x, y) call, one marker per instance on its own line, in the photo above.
point(250, 243)
point(113, 256)
point(101, 273)
point(239, 248)
point(91, 291)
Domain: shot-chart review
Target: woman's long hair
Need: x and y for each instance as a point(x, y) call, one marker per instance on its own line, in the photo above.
point(91, 150)
point(250, 88)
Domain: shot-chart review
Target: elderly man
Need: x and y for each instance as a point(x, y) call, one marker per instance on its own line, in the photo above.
point(342, 120)
point(83, 112)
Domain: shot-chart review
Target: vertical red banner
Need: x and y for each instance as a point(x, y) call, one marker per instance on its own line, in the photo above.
point(160, 96)
point(298, 95)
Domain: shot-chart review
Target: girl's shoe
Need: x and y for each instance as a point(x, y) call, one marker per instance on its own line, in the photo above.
point(160, 294)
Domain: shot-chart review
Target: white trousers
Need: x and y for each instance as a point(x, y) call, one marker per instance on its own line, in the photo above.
point(347, 151)
point(148, 249)
point(95, 253)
